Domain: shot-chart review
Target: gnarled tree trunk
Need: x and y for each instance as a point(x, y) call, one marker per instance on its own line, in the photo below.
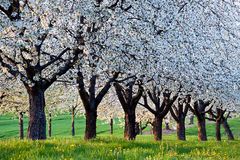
point(157, 128)
point(218, 130)
point(129, 130)
point(129, 103)
point(181, 129)
point(218, 117)
point(21, 131)
point(179, 113)
point(91, 101)
point(200, 111)
point(91, 120)
point(37, 86)
point(37, 118)
point(202, 134)
point(160, 111)
point(73, 122)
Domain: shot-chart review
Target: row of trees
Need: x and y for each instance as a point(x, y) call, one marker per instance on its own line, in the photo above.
point(179, 109)
point(145, 49)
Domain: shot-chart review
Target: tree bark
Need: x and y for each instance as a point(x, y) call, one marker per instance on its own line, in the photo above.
point(73, 122)
point(129, 102)
point(91, 119)
point(37, 118)
point(202, 134)
point(140, 128)
point(227, 130)
point(218, 131)
point(157, 128)
point(21, 131)
point(181, 130)
point(50, 125)
point(199, 111)
point(111, 126)
point(129, 130)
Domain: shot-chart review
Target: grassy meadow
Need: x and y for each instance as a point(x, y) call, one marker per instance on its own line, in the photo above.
point(63, 146)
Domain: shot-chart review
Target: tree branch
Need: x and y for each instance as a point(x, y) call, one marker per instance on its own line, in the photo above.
point(82, 91)
point(151, 97)
point(168, 106)
point(196, 112)
point(210, 119)
point(55, 59)
point(105, 89)
point(185, 110)
point(137, 97)
point(207, 110)
point(14, 72)
point(174, 115)
point(69, 64)
point(191, 108)
point(175, 109)
point(228, 115)
point(121, 96)
point(113, 5)
point(14, 7)
point(91, 90)
point(145, 105)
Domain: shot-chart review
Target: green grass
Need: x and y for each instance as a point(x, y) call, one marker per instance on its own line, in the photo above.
point(61, 126)
point(234, 125)
point(63, 146)
point(109, 147)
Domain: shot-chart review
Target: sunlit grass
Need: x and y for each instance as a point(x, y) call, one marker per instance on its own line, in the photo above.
point(111, 147)
point(63, 146)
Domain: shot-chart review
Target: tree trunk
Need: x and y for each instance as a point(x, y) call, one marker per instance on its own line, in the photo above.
point(227, 130)
point(140, 128)
point(73, 122)
point(21, 132)
point(191, 120)
point(129, 131)
point(181, 130)
point(111, 126)
point(91, 120)
point(50, 125)
point(157, 128)
point(218, 131)
point(37, 118)
point(167, 126)
point(202, 134)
